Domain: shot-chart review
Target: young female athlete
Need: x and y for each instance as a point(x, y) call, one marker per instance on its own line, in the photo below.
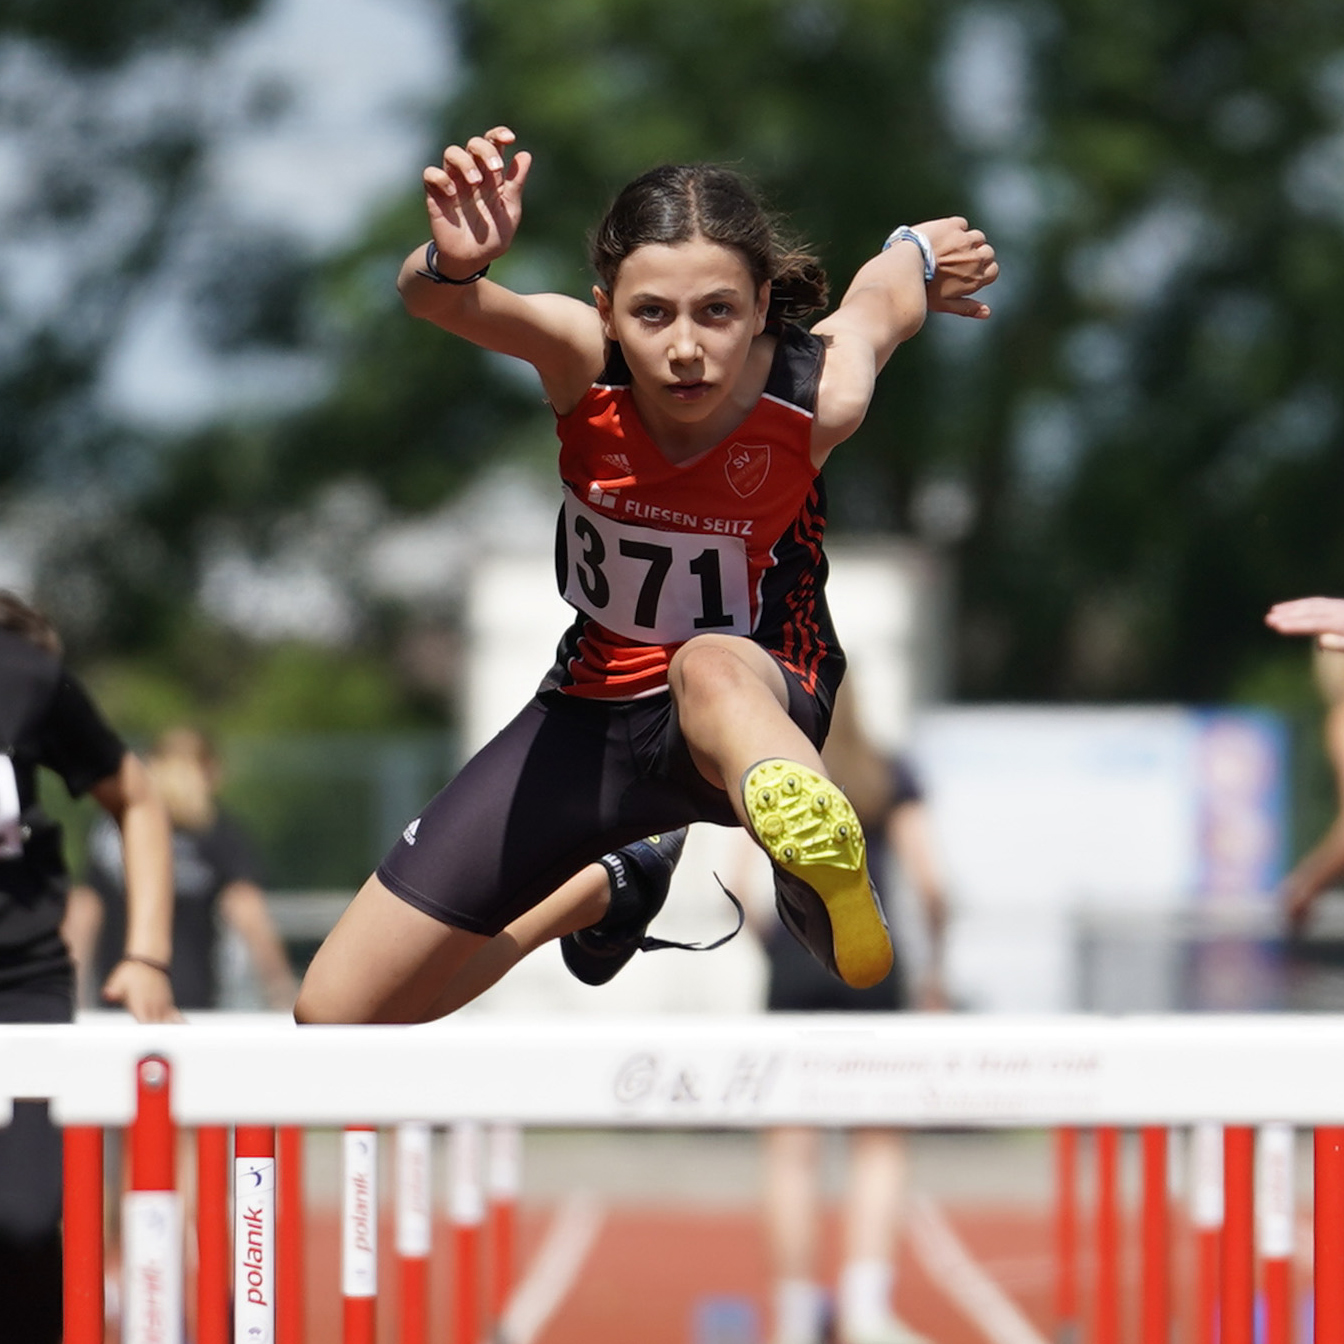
point(694, 415)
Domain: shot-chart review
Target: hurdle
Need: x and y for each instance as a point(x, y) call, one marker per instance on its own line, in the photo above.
point(1106, 1076)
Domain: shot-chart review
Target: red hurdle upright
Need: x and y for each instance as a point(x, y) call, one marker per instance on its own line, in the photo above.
point(213, 1283)
point(1329, 1233)
point(290, 1317)
point(82, 1234)
point(1237, 1317)
point(1106, 1303)
point(1155, 1281)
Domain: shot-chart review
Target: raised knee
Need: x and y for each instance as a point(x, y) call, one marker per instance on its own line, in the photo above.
point(707, 665)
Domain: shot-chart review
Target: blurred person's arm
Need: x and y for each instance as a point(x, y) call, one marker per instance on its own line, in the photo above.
point(1324, 863)
point(910, 834)
point(140, 982)
point(80, 928)
point(243, 906)
point(1319, 616)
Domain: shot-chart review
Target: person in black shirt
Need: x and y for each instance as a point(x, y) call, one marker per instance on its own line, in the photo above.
point(889, 800)
point(48, 721)
point(215, 876)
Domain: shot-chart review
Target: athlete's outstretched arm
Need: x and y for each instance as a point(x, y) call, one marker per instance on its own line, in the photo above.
point(885, 305)
point(474, 199)
point(1319, 616)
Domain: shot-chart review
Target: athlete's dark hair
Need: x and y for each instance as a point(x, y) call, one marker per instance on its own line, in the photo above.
point(680, 201)
point(21, 619)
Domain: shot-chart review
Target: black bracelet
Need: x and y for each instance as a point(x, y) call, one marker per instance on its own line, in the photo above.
point(161, 966)
point(431, 272)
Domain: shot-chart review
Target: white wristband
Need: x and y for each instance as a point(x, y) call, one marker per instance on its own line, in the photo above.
point(905, 234)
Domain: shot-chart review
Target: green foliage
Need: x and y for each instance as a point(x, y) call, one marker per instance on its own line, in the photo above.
point(233, 686)
point(101, 32)
point(1147, 428)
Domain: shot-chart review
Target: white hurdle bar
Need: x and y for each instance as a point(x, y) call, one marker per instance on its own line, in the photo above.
point(924, 1070)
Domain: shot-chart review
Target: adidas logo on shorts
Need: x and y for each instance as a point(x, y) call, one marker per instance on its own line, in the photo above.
point(408, 835)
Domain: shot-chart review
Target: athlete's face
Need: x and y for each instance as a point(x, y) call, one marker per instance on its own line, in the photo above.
point(685, 315)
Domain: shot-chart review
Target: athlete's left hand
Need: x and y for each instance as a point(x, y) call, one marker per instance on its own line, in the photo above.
point(966, 263)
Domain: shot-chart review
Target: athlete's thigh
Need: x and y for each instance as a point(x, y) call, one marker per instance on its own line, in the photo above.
point(384, 961)
point(520, 818)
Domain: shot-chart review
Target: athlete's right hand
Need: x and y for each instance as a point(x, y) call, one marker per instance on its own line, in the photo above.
point(475, 200)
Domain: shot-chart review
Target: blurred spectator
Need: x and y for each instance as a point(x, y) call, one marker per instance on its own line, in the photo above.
point(891, 809)
point(1323, 866)
point(48, 720)
point(215, 878)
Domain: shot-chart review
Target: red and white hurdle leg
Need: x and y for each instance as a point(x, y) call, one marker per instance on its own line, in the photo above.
point(1206, 1220)
point(151, 1217)
point(414, 1228)
point(1275, 1226)
point(504, 1175)
point(466, 1214)
point(254, 1212)
point(359, 1235)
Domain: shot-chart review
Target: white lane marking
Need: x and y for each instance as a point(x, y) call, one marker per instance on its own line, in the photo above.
point(947, 1261)
point(556, 1266)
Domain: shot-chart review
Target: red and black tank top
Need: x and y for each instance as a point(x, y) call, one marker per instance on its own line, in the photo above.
point(650, 553)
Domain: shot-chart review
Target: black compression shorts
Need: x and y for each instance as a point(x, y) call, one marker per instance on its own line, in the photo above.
point(566, 782)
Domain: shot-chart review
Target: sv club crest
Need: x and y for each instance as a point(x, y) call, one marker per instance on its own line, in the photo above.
point(747, 467)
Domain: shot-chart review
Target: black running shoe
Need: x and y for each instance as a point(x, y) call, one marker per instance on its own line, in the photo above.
point(639, 875)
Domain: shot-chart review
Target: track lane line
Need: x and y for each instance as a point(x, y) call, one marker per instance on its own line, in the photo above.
point(568, 1241)
point(945, 1259)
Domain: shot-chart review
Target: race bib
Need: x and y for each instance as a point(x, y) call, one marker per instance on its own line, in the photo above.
point(11, 835)
point(650, 586)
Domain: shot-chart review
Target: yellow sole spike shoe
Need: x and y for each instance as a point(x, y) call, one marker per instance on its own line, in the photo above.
point(808, 828)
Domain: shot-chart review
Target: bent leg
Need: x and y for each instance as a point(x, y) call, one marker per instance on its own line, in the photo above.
point(733, 710)
point(384, 961)
point(581, 902)
point(733, 705)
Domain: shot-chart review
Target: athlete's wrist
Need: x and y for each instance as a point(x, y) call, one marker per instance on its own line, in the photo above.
point(903, 233)
point(431, 272)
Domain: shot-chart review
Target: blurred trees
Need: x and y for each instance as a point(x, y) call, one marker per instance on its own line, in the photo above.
point(1128, 462)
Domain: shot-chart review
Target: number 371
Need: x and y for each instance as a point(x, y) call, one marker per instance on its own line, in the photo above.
point(596, 587)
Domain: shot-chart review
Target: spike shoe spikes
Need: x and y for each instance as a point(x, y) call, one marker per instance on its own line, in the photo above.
point(808, 828)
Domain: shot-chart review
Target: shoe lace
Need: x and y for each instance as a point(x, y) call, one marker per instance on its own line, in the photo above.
point(651, 944)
